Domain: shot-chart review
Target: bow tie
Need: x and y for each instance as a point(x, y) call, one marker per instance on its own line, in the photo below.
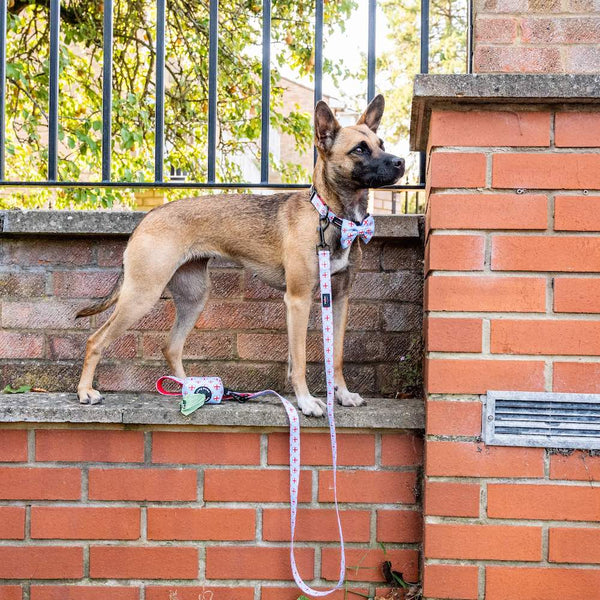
point(350, 230)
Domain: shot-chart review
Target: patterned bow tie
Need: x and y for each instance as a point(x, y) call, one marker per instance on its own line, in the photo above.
point(350, 230)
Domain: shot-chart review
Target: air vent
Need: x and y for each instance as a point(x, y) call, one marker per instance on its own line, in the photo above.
point(542, 419)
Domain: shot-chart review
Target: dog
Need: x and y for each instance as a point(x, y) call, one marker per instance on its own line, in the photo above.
point(273, 236)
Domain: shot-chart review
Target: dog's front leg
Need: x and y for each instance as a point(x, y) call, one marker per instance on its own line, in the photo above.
point(297, 301)
point(340, 289)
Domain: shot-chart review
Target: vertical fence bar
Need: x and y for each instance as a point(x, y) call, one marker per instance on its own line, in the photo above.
point(159, 139)
point(469, 36)
point(424, 69)
point(213, 49)
point(371, 52)
point(266, 92)
point(318, 55)
point(107, 89)
point(53, 91)
point(2, 86)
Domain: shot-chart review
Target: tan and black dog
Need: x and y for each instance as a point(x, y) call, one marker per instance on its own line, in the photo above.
point(274, 236)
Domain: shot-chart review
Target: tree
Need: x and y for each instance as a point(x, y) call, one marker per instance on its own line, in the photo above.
point(186, 102)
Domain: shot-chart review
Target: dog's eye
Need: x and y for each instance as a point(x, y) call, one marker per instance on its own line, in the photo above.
point(360, 149)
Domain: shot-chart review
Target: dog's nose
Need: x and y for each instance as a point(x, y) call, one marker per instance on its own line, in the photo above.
point(398, 162)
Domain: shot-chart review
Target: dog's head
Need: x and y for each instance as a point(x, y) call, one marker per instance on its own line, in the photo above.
point(354, 157)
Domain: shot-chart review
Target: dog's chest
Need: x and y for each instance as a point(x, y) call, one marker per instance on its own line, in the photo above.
point(339, 260)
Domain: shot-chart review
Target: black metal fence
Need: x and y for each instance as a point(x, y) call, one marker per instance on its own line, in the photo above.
point(160, 46)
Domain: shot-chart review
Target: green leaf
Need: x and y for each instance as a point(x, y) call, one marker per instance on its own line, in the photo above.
point(20, 390)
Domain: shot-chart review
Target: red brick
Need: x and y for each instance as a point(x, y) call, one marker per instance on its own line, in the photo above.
point(577, 213)
point(496, 31)
point(41, 562)
point(488, 211)
point(402, 286)
point(253, 485)
point(196, 593)
point(551, 502)
point(399, 526)
point(455, 253)
point(363, 564)
point(201, 523)
point(516, 59)
point(546, 171)
point(316, 525)
point(206, 448)
point(11, 592)
point(451, 581)
point(519, 583)
point(22, 284)
point(142, 484)
point(457, 170)
point(242, 315)
point(315, 449)
point(369, 486)
point(545, 337)
point(197, 345)
point(255, 289)
point(110, 253)
point(12, 523)
point(85, 523)
point(583, 378)
point(72, 345)
point(45, 251)
point(574, 545)
point(544, 253)
point(247, 562)
point(14, 344)
point(128, 562)
point(130, 377)
point(255, 346)
point(483, 542)
point(469, 459)
point(291, 593)
point(489, 128)
point(92, 445)
point(557, 30)
point(453, 418)
point(88, 592)
point(43, 314)
point(576, 295)
point(485, 293)
point(226, 283)
point(84, 284)
point(453, 335)
point(577, 130)
point(13, 445)
point(449, 499)
point(30, 483)
point(401, 450)
point(456, 376)
point(579, 466)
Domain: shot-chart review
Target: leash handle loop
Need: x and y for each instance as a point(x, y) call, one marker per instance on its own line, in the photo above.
point(160, 387)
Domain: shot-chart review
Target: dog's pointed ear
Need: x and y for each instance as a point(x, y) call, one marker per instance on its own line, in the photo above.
point(372, 116)
point(326, 126)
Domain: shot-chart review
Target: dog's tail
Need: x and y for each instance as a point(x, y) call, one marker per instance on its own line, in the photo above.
point(103, 304)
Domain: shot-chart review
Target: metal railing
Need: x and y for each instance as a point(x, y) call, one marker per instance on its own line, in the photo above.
point(160, 49)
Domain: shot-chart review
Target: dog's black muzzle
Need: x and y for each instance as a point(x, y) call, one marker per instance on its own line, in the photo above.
point(386, 170)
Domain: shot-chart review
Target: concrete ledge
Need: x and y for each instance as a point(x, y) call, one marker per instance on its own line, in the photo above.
point(152, 409)
point(99, 222)
point(436, 90)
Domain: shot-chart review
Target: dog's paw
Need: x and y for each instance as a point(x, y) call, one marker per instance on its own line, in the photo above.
point(346, 398)
point(310, 406)
point(90, 396)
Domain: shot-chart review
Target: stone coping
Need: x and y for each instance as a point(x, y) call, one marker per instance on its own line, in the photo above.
point(152, 409)
point(439, 90)
point(122, 223)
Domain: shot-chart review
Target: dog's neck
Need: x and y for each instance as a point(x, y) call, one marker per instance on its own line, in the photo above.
point(345, 201)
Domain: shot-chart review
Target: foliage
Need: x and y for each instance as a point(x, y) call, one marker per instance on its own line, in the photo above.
point(186, 102)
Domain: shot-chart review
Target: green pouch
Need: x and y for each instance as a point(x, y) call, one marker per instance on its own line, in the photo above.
point(191, 402)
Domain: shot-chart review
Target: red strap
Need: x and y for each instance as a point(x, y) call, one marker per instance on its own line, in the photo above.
point(161, 389)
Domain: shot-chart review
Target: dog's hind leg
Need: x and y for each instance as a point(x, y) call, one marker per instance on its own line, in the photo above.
point(190, 286)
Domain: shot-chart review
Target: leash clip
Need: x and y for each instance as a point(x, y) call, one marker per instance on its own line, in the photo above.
point(323, 225)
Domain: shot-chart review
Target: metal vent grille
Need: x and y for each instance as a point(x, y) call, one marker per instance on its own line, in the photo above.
point(542, 419)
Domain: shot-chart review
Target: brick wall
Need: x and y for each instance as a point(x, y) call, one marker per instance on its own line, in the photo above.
point(240, 335)
point(537, 36)
point(93, 512)
point(512, 263)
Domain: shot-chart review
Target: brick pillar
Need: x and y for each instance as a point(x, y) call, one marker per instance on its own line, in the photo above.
point(512, 300)
point(536, 36)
